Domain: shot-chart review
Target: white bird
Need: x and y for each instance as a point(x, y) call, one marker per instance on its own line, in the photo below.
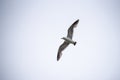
point(67, 39)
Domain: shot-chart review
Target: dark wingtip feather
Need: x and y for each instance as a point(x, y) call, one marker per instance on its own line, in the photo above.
point(57, 59)
point(75, 23)
point(58, 56)
point(77, 20)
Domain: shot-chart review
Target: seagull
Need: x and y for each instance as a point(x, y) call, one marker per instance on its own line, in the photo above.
point(67, 39)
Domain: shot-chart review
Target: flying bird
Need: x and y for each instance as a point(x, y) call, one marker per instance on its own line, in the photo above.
point(67, 39)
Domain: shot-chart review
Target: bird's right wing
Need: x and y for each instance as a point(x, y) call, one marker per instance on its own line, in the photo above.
point(61, 48)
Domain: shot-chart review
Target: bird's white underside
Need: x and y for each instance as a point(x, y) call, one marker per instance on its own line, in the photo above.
point(68, 40)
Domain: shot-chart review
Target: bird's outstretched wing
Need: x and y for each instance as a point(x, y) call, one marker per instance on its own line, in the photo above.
point(70, 30)
point(61, 48)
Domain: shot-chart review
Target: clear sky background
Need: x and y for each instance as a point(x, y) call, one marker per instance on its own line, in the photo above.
point(30, 32)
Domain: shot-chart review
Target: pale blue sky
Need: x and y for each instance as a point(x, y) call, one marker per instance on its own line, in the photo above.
point(30, 37)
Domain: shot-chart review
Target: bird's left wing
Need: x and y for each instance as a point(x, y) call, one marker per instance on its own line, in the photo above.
point(61, 48)
point(70, 30)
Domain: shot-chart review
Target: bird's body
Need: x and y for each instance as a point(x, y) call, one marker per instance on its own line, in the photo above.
point(67, 39)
